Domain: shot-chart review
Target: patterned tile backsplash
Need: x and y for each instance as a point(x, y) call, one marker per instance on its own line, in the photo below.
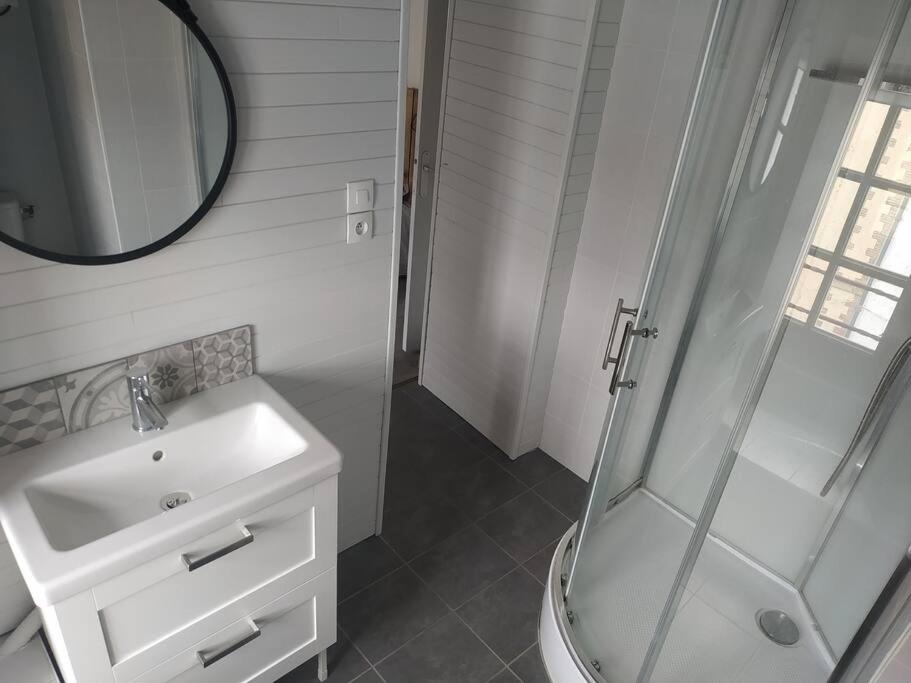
point(48, 409)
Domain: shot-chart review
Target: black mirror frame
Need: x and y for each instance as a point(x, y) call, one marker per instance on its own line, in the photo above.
point(182, 9)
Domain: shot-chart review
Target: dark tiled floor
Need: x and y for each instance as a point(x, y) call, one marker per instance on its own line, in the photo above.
point(453, 588)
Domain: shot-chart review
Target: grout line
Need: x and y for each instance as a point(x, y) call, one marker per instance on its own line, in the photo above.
point(407, 564)
point(483, 642)
point(483, 588)
point(370, 666)
point(523, 653)
point(450, 610)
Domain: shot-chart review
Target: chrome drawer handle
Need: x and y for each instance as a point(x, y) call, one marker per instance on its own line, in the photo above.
point(209, 660)
point(194, 564)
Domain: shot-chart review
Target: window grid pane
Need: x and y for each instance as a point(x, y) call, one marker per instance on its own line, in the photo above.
point(857, 305)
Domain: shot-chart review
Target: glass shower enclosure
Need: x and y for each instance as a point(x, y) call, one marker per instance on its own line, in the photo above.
point(749, 514)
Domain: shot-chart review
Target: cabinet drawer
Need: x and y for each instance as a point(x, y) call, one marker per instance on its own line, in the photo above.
point(295, 626)
point(147, 605)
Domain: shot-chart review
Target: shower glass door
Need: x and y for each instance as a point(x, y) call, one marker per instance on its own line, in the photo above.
point(768, 427)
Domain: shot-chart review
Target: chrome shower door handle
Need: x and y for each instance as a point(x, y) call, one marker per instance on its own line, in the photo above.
point(620, 310)
point(617, 360)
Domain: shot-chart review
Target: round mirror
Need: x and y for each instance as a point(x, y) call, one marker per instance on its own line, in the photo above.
point(117, 127)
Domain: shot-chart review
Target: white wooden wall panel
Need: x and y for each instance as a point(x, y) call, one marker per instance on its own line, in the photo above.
point(313, 114)
point(510, 99)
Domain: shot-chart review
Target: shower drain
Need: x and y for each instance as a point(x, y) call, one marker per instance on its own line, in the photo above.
point(778, 626)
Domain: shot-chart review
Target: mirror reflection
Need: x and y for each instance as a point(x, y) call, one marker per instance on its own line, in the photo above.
point(113, 125)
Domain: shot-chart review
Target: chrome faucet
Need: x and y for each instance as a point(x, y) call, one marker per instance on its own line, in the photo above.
point(146, 415)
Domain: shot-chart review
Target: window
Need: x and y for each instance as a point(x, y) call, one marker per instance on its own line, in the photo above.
point(860, 257)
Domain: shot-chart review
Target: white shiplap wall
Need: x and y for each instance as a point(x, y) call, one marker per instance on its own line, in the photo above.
point(316, 87)
point(511, 95)
point(572, 209)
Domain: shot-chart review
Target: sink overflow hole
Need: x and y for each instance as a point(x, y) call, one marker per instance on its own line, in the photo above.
point(157, 455)
point(173, 500)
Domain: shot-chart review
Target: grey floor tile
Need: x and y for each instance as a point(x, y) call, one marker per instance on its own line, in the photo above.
point(539, 564)
point(565, 491)
point(407, 417)
point(463, 565)
point(446, 653)
point(529, 667)
point(364, 563)
point(412, 527)
point(481, 488)
point(427, 453)
point(389, 613)
point(505, 616)
point(531, 468)
point(432, 405)
point(345, 664)
point(478, 440)
point(524, 526)
point(368, 677)
point(505, 676)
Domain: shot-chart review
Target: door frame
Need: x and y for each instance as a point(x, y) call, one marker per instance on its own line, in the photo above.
point(428, 141)
point(402, 91)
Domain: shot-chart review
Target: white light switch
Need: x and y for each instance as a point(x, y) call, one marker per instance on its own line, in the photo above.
point(360, 226)
point(360, 196)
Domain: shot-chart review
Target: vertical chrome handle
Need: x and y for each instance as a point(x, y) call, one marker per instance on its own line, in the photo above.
point(628, 331)
point(208, 660)
point(614, 380)
point(621, 310)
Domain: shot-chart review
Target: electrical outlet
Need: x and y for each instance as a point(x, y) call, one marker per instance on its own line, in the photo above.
point(360, 227)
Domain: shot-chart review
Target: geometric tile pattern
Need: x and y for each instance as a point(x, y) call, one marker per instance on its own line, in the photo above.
point(223, 357)
point(93, 396)
point(172, 373)
point(50, 408)
point(29, 415)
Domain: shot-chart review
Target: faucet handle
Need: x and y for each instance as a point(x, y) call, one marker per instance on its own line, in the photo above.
point(138, 378)
point(137, 372)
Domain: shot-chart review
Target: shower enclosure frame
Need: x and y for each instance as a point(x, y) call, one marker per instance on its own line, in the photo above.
point(892, 612)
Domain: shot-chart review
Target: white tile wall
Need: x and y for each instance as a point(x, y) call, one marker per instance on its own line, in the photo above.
point(574, 199)
point(656, 52)
point(273, 254)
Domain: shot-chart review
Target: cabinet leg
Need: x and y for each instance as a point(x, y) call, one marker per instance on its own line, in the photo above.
point(322, 666)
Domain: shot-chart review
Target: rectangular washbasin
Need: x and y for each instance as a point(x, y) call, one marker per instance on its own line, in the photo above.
point(93, 499)
point(90, 505)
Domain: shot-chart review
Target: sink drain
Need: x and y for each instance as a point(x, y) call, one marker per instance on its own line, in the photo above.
point(777, 626)
point(173, 500)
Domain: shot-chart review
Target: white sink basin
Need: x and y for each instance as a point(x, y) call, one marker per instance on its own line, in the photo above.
point(87, 507)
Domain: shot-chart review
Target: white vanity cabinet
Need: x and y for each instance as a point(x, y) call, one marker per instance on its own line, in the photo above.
point(247, 602)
